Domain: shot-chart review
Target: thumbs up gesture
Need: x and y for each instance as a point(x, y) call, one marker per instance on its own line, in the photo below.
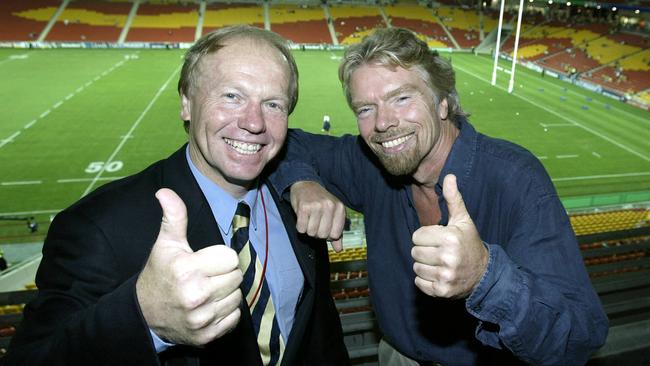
point(449, 260)
point(188, 297)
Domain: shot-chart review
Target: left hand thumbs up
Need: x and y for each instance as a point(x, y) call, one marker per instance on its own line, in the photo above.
point(449, 260)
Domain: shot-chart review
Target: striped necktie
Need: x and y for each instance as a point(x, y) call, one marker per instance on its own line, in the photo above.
point(256, 290)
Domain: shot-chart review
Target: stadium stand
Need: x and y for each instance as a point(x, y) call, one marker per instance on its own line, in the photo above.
point(569, 62)
point(591, 223)
point(25, 20)
point(218, 15)
point(300, 24)
point(615, 244)
point(605, 50)
point(354, 22)
point(90, 20)
point(164, 23)
point(464, 25)
point(645, 95)
point(420, 20)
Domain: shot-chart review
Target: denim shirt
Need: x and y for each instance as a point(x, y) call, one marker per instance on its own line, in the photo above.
point(535, 300)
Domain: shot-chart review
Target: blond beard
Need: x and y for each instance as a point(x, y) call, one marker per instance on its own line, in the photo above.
point(404, 163)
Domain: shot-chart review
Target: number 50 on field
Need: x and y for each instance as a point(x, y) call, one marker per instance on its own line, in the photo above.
point(97, 166)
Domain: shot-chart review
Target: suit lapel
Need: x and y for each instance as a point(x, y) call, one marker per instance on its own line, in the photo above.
point(306, 259)
point(202, 231)
point(240, 345)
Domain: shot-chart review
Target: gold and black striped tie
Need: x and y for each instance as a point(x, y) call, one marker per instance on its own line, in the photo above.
point(256, 290)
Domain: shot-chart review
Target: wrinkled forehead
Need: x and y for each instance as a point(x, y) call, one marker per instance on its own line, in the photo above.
point(243, 53)
point(377, 74)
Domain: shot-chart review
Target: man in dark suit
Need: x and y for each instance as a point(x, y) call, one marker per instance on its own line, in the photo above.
point(118, 287)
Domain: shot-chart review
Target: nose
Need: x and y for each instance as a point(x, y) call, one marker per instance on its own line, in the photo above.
point(253, 119)
point(385, 118)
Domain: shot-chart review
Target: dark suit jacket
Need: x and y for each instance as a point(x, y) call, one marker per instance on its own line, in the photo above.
point(87, 312)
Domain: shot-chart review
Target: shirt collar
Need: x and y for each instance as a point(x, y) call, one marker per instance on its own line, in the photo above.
point(222, 204)
point(462, 156)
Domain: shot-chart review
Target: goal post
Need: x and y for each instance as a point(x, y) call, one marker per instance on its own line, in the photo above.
point(498, 45)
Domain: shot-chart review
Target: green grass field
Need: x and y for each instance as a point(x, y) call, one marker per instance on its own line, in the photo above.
point(74, 119)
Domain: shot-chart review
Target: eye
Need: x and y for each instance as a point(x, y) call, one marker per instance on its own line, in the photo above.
point(403, 98)
point(276, 106)
point(363, 111)
point(231, 96)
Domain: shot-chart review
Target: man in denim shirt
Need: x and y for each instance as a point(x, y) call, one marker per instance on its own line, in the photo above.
point(471, 256)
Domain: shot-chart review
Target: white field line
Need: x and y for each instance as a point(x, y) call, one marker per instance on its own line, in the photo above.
point(9, 139)
point(79, 180)
point(557, 125)
point(622, 175)
point(60, 103)
point(30, 124)
point(640, 119)
point(21, 183)
point(23, 213)
point(570, 120)
point(128, 134)
point(13, 57)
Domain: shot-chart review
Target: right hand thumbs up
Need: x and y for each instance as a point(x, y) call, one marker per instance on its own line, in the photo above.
point(188, 297)
point(173, 227)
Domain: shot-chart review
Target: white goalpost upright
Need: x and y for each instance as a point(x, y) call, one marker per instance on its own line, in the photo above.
point(498, 44)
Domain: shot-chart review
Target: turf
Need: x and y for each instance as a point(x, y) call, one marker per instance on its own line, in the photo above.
point(75, 119)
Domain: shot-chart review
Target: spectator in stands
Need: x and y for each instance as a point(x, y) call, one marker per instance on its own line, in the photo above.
point(32, 225)
point(471, 256)
point(3, 261)
point(326, 124)
point(119, 287)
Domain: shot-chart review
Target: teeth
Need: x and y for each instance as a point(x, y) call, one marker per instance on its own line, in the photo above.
point(243, 147)
point(393, 143)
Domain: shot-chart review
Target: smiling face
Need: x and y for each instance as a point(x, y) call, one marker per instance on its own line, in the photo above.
point(399, 120)
point(238, 112)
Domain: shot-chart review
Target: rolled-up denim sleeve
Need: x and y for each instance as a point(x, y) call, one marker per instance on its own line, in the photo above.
point(535, 297)
point(329, 160)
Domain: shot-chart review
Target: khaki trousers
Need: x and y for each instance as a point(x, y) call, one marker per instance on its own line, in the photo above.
point(389, 356)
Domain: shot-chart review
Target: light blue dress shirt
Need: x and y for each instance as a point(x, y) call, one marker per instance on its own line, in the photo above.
point(283, 272)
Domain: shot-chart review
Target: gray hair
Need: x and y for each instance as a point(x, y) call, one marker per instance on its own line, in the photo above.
point(393, 47)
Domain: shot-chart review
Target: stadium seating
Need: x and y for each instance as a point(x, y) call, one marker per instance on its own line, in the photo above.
point(164, 23)
point(352, 23)
point(25, 20)
point(590, 223)
point(605, 50)
point(570, 62)
point(90, 20)
point(420, 20)
point(464, 25)
point(219, 15)
point(300, 24)
point(645, 96)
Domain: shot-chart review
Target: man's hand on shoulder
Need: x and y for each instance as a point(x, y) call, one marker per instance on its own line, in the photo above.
point(320, 214)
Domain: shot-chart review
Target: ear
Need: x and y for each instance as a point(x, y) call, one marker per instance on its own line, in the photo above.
point(186, 108)
point(443, 109)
